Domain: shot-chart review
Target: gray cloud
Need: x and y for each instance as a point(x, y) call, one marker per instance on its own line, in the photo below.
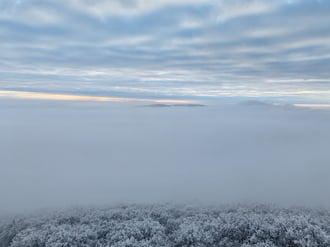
point(191, 49)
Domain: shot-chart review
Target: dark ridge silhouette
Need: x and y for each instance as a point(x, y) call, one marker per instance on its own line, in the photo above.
point(255, 103)
point(175, 105)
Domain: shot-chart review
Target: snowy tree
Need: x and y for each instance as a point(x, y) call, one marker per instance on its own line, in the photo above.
point(165, 225)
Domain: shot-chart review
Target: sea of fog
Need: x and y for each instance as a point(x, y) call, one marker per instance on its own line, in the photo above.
point(60, 154)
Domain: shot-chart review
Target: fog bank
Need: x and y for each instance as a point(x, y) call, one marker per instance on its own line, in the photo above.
point(58, 154)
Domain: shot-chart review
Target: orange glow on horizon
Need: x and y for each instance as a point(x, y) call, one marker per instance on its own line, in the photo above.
point(70, 97)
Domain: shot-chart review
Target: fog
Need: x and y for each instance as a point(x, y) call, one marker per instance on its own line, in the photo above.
point(60, 154)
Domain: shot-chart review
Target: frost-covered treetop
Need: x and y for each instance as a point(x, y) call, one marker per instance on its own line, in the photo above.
point(169, 225)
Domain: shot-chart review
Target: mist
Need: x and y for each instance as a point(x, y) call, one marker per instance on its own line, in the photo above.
point(62, 154)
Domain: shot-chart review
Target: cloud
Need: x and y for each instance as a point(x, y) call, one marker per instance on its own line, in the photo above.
point(170, 48)
point(104, 8)
point(58, 154)
point(237, 8)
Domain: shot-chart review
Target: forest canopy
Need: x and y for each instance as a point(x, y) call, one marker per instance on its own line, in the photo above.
point(170, 225)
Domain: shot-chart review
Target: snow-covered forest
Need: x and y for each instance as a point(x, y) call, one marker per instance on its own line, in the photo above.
point(169, 225)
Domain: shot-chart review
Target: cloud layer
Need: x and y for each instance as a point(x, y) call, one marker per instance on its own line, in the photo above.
point(191, 48)
point(58, 154)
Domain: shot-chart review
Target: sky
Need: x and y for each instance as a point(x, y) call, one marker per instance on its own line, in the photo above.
point(224, 50)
